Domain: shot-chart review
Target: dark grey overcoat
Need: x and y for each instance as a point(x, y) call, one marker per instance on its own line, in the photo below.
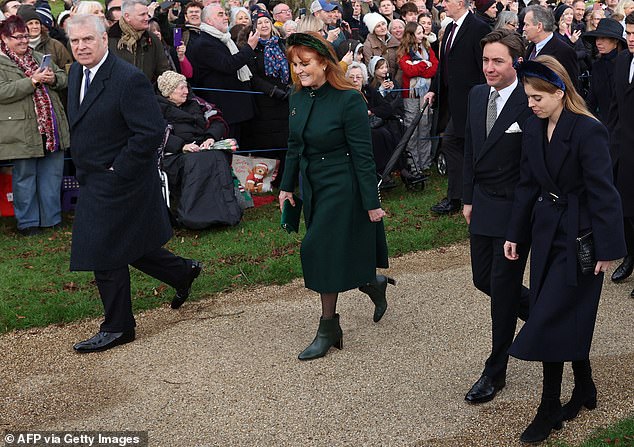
point(120, 214)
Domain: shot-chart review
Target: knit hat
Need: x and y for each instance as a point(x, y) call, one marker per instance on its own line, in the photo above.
point(559, 11)
point(483, 5)
point(168, 82)
point(259, 13)
point(373, 63)
point(28, 13)
point(372, 19)
point(46, 15)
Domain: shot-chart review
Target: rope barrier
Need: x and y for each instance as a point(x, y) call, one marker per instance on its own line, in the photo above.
point(228, 91)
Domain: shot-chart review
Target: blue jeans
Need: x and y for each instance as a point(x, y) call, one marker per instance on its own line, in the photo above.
point(37, 184)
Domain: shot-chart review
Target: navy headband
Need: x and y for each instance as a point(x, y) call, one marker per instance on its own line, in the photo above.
point(533, 69)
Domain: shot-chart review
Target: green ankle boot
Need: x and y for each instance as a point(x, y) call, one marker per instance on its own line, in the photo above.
point(376, 291)
point(329, 334)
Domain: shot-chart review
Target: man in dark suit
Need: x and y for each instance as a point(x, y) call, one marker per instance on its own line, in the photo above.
point(622, 142)
point(497, 111)
point(121, 218)
point(219, 64)
point(539, 26)
point(460, 68)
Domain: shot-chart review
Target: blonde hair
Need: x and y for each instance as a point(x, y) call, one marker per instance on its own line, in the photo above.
point(310, 23)
point(573, 102)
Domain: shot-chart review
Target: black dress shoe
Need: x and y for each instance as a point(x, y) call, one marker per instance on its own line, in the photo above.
point(484, 390)
point(29, 231)
point(624, 270)
point(103, 341)
point(183, 294)
point(446, 206)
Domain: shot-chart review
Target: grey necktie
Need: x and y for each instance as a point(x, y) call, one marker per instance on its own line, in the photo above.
point(492, 110)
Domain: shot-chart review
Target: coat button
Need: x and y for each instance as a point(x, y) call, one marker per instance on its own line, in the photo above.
point(323, 158)
point(540, 198)
point(9, 117)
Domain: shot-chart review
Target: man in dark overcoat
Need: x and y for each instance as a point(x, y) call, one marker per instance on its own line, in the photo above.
point(539, 28)
point(459, 69)
point(121, 218)
point(622, 142)
point(497, 111)
point(218, 64)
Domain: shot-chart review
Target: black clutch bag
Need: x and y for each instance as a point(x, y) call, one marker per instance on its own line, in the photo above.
point(585, 253)
point(291, 214)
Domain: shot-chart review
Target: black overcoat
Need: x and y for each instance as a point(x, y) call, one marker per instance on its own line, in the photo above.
point(622, 131)
point(120, 214)
point(215, 67)
point(491, 163)
point(565, 190)
point(463, 69)
point(561, 51)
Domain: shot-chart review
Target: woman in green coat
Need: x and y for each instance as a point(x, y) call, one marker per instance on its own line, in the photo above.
point(330, 145)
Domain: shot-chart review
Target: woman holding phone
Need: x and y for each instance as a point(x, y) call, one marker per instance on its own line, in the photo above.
point(33, 128)
point(40, 41)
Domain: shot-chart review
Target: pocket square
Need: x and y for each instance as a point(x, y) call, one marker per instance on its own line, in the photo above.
point(514, 128)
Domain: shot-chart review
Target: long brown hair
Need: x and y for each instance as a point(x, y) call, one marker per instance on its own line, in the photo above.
point(334, 74)
point(408, 42)
point(572, 100)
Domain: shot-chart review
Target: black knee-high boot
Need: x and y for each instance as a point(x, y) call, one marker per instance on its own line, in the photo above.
point(549, 412)
point(585, 392)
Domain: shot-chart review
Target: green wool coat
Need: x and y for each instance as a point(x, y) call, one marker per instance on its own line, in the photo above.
point(331, 146)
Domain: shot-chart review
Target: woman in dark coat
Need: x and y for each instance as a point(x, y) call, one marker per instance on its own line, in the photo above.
point(271, 76)
point(379, 112)
point(330, 144)
point(200, 179)
point(609, 41)
point(565, 192)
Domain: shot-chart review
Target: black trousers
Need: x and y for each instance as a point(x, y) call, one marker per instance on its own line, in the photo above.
point(453, 147)
point(114, 286)
point(501, 279)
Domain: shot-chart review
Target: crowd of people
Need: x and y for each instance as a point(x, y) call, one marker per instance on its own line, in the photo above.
point(530, 101)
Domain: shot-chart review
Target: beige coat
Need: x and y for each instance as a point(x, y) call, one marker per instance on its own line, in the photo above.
point(374, 47)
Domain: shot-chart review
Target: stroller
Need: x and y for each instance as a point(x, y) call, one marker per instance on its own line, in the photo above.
point(411, 174)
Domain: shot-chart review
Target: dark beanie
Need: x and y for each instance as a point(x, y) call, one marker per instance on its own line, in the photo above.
point(28, 13)
point(559, 11)
point(483, 5)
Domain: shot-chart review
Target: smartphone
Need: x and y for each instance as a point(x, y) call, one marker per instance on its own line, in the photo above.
point(338, 24)
point(46, 62)
point(388, 77)
point(166, 5)
point(302, 13)
point(178, 37)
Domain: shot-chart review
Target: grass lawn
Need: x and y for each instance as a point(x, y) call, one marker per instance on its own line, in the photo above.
point(38, 289)
point(621, 434)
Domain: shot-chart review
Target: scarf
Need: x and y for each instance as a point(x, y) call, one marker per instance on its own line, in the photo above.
point(275, 63)
point(244, 74)
point(33, 43)
point(46, 123)
point(419, 86)
point(129, 36)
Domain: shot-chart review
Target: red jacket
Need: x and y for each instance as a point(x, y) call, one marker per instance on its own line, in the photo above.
point(421, 69)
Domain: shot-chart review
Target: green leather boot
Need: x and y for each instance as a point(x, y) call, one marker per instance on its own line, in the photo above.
point(376, 291)
point(329, 334)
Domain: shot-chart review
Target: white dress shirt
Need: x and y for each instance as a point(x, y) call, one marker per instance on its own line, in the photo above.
point(93, 72)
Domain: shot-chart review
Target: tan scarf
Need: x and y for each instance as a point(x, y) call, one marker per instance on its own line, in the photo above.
point(244, 74)
point(129, 36)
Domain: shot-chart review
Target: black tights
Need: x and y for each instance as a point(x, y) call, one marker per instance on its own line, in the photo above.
point(553, 372)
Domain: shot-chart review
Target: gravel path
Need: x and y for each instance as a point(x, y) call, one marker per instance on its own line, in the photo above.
point(223, 371)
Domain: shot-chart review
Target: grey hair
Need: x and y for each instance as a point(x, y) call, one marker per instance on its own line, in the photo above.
point(128, 5)
point(506, 17)
point(360, 66)
point(94, 21)
point(207, 11)
point(541, 15)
